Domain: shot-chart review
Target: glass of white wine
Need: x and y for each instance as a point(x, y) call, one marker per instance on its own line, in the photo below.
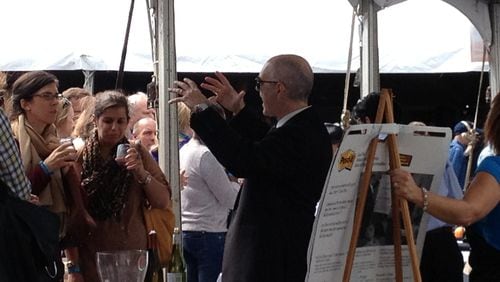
point(122, 266)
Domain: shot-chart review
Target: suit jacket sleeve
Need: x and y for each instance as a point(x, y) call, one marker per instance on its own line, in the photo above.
point(256, 131)
point(279, 153)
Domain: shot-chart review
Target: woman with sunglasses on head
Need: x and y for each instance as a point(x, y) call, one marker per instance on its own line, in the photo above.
point(116, 191)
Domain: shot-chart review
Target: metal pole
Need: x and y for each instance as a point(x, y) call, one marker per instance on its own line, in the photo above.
point(89, 80)
point(119, 78)
point(494, 59)
point(370, 78)
point(167, 73)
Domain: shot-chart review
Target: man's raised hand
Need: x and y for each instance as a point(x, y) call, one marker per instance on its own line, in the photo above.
point(188, 93)
point(225, 93)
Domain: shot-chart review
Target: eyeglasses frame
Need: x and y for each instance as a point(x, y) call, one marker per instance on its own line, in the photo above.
point(49, 97)
point(259, 81)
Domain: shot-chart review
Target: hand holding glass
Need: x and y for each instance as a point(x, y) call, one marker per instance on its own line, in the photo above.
point(71, 148)
point(121, 153)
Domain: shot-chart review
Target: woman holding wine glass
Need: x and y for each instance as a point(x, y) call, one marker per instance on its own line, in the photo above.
point(116, 191)
point(35, 100)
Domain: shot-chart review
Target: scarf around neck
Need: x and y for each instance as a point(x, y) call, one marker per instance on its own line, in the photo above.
point(105, 181)
point(35, 147)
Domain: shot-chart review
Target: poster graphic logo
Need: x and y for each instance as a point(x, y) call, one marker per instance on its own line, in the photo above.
point(405, 160)
point(347, 160)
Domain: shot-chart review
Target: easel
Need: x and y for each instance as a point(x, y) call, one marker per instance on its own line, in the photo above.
point(398, 205)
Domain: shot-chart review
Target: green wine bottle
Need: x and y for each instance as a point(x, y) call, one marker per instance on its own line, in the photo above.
point(177, 267)
point(154, 273)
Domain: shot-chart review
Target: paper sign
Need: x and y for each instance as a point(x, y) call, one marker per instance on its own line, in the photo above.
point(423, 151)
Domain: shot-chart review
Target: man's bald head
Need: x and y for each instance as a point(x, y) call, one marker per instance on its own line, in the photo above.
point(295, 72)
point(145, 131)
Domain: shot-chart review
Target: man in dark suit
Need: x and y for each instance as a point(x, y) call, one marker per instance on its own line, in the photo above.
point(285, 168)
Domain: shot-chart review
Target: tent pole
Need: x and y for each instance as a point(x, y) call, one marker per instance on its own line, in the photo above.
point(88, 84)
point(494, 51)
point(167, 73)
point(370, 79)
point(119, 78)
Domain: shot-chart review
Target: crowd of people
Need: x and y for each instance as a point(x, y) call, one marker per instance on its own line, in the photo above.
point(99, 201)
point(249, 188)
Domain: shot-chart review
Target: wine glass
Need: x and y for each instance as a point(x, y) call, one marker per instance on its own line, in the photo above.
point(122, 266)
point(121, 153)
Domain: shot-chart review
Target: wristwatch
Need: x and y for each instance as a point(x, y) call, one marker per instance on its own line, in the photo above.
point(72, 267)
point(200, 107)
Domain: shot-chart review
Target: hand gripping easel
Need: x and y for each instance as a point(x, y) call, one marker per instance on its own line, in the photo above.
point(398, 205)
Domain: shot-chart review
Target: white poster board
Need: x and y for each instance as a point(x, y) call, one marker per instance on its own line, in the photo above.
point(423, 152)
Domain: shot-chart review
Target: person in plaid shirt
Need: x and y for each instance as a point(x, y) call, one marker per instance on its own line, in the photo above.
point(11, 168)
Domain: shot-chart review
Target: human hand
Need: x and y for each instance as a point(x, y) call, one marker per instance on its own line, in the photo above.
point(469, 137)
point(404, 185)
point(132, 160)
point(34, 199)
point(82, 215)
point(225, 93)
point(183, 178)
point(62, 156)
point(188, 93)
point(121, 153)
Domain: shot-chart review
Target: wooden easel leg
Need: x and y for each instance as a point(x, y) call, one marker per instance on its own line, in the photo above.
point(360, 207)
point(384, 109)
point(400, 204)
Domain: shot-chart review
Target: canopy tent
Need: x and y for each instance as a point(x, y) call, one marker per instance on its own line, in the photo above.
point(88, 35)
point(475, 10)
point(414, 36)
point(482, 13)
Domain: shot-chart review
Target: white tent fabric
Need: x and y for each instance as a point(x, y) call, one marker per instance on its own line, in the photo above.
point(415, 36)
point(478, 12)
point(381, 3)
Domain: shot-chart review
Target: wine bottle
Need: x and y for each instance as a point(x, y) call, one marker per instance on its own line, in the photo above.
point(177, 267)
point(154, 273)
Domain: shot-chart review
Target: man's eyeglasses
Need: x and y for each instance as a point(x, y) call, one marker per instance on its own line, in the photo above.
point(259, 82)
point(49, 97)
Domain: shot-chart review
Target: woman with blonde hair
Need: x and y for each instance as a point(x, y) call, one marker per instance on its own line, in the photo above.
point(64, 120)
point(185, 131)
point(75, 95)
point(85, 122)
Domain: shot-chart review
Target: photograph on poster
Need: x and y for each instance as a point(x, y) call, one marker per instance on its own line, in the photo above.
point(376, 228)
